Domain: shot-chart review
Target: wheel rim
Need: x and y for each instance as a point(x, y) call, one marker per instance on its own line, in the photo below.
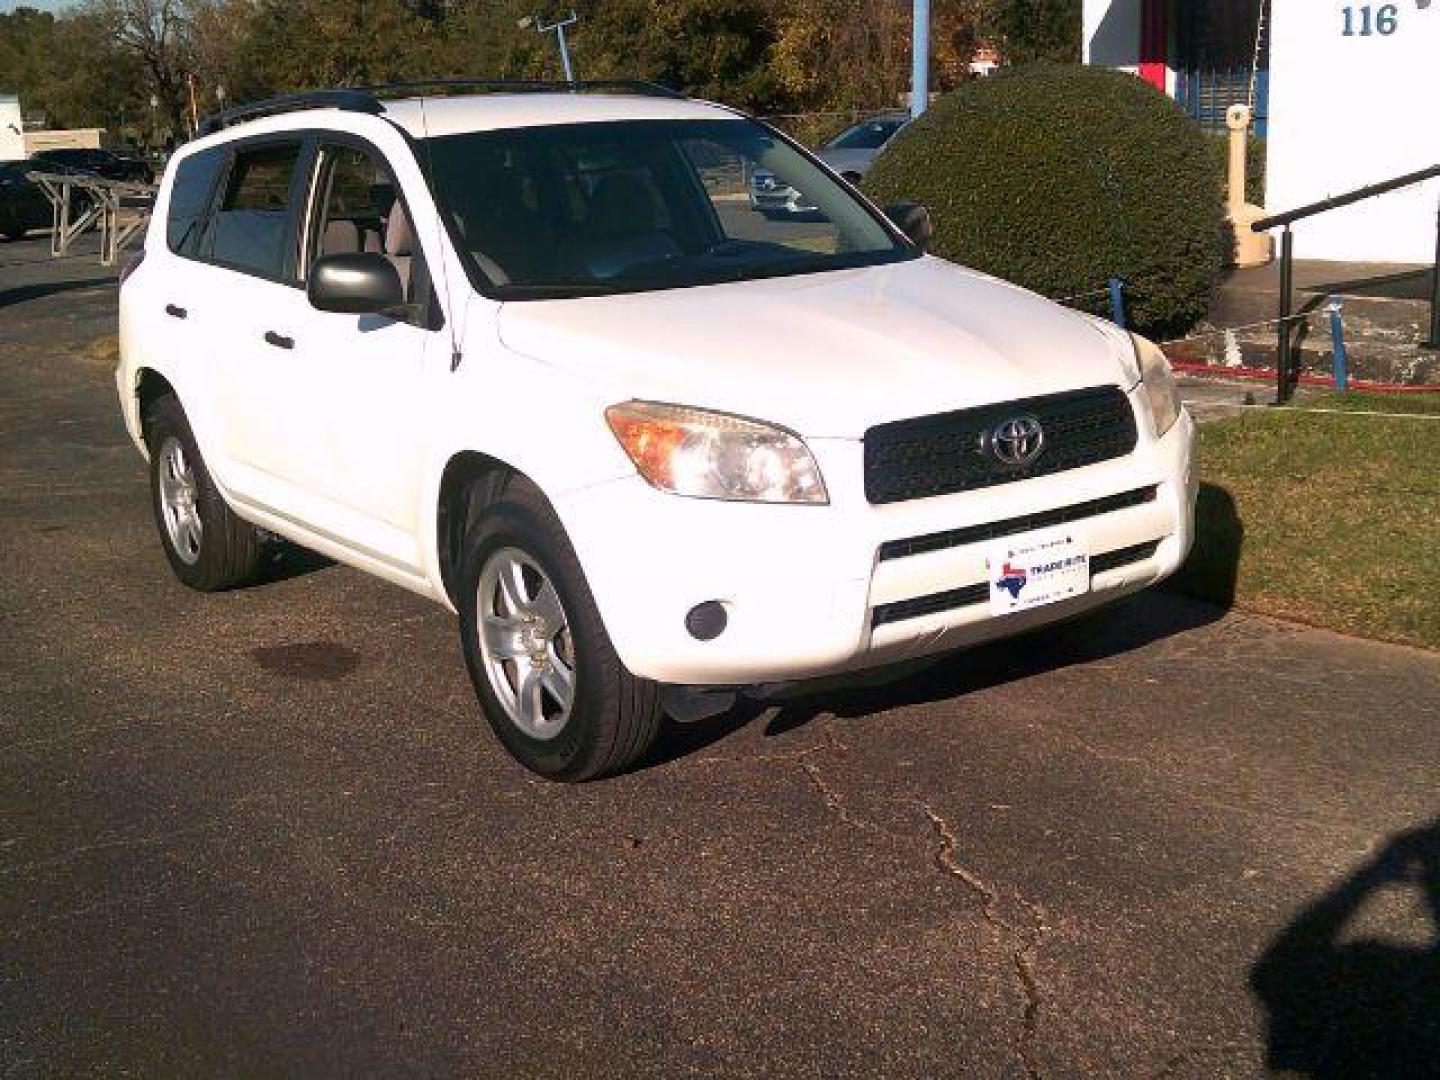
point(178, 501)
point(526, 647)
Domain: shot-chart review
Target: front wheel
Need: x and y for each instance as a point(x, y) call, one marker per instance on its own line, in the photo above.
point(548, 679)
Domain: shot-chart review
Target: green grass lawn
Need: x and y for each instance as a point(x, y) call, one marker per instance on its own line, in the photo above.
point(1327, 519)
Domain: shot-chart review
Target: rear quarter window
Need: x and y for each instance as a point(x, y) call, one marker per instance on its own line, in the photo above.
point(189, 199)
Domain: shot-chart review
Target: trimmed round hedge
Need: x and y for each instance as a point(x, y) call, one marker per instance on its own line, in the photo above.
point(1058, 177)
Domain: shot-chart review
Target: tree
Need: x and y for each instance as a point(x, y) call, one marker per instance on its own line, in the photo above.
point(155, 33)
point(714, 49)
point(69, 70)
point(1031, 30)
point(855, 54)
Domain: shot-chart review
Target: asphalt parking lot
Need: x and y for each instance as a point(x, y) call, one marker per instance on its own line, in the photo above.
point(266, 832)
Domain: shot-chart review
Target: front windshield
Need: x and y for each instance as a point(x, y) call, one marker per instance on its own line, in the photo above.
point(582, 209)
point(870, 135)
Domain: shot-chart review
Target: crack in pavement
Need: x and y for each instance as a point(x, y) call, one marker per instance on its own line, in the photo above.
point(834, 801)
point(1027, 939)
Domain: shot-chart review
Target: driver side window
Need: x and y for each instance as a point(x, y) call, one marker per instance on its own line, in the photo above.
point(357, 207)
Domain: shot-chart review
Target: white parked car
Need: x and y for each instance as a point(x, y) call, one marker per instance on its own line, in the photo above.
point(518, 352)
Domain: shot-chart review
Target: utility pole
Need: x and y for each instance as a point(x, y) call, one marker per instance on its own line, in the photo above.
point(920, 59)
point(534, 22)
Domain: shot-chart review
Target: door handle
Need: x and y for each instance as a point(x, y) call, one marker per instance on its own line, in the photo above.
point(175, 311)
point(280, 341)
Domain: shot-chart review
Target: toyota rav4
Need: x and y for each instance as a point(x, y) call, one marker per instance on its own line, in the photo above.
point(534, 355)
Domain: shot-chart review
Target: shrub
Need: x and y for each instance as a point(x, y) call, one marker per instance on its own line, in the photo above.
point(1058, 177)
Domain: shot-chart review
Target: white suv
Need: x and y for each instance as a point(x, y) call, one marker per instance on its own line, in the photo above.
point(533, 355)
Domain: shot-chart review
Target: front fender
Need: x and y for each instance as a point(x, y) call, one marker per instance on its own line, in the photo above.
point(538, 420)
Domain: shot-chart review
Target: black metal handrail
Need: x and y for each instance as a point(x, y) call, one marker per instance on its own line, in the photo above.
point(1287, 372)
point(1337, 201)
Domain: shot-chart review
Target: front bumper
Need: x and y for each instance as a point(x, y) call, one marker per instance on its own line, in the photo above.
point(806, 588)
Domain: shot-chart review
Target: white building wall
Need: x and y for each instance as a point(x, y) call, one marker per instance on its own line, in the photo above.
point(1112, 33)
point(12, 137)
point(1346, 111)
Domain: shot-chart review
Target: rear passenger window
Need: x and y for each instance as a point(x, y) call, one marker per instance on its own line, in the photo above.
point(189, 197)
point(251, 229)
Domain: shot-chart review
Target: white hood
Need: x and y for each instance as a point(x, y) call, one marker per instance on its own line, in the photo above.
point(829, 354)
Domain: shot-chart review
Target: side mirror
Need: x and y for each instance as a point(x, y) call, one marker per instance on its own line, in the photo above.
point(355, 283)
point(913, 220)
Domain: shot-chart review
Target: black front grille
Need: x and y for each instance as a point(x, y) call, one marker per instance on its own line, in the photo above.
point(946, 453)
point(993, 530)
point(930, 605)
point(1110, 560)
point(980, 593)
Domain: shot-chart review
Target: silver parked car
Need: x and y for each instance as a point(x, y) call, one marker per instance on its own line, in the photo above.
point(854, 150)
point(851, 153)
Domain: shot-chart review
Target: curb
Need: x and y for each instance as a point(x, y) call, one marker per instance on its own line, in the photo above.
point(1189, 367)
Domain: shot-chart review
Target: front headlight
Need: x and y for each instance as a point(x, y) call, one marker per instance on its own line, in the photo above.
point(1160, 389)
point(711, 455)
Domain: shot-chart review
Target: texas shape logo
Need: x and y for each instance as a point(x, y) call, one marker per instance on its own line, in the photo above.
point(1012, 580)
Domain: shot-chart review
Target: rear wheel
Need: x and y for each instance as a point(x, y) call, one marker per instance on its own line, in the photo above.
point(548, 679)
point(208, 547)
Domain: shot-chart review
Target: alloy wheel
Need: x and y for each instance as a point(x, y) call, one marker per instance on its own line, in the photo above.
point(527, 651)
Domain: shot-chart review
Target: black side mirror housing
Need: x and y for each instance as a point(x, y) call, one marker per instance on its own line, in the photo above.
point(913, 220)
point(356, 283)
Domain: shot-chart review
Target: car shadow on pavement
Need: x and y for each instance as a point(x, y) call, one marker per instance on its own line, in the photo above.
point(1207, 579)
point(23, 293)
point(1199, 594)
point(1128, 625)
point(285, 560)
point(1344, 1001)
point(1210, 572)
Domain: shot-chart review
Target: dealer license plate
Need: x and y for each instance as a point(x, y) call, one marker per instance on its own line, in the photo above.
point(1036, 568)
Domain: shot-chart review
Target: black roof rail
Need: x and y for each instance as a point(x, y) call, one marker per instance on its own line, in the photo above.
point(523, 86)
point(366, 99)
point(344, 100)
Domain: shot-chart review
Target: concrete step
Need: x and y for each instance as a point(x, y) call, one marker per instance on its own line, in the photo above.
point(1371, 357)
point(1386, 295)
point(1385, 310)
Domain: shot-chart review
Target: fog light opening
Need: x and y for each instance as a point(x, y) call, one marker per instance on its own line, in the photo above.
point(707, 621)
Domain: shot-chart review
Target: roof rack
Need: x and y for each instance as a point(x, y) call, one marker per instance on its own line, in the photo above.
point(523, 86)
point(344, 100)
point(367, 99)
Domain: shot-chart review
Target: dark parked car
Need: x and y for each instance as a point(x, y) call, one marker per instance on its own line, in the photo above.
point(106, 163)
point(23, 206)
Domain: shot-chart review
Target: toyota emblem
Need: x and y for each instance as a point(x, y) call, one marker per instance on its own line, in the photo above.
point(1016, 441)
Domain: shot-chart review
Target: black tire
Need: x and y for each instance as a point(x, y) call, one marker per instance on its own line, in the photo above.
point(614, 716)
point(227, 550)
point(14, 234)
